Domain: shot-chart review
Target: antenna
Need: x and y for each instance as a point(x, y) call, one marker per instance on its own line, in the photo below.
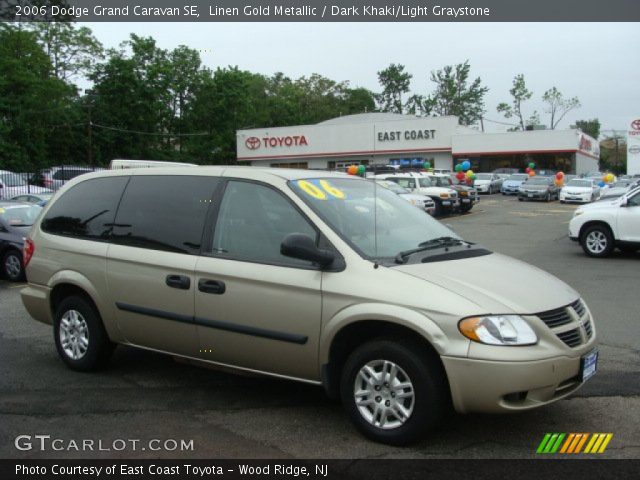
point(375, 221)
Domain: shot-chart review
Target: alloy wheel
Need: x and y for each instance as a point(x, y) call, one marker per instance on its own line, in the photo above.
point(596, 241)
point(74, 334)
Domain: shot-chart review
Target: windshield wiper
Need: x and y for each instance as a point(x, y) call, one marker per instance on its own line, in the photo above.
point(434, 243)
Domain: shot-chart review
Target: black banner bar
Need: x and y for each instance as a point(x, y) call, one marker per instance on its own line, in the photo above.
point(321, 11)
point(319, 469)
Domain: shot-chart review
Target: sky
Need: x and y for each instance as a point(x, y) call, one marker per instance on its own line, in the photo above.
point(597, 62)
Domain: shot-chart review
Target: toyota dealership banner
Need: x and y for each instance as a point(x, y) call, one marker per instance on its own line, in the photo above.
point(633, 146)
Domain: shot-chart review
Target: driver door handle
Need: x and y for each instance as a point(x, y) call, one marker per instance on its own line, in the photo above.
point(215, 287)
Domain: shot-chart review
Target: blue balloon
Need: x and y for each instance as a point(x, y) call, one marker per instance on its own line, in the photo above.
point(466, 165)
point(601, 184)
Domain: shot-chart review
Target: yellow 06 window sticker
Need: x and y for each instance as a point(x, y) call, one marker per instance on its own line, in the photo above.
point(320, 189)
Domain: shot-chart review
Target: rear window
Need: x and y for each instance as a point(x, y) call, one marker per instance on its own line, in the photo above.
point(86, 210)
point(164, 212)
point(20, 215)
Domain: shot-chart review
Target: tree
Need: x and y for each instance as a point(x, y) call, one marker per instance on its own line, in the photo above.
point(590, 127)
point(73, 50)
point(519, 93)
point(454, 95)
point(395, 82)
point(557, 106)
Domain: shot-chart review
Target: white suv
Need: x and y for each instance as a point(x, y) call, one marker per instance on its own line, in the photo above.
point(446, 199)
point(601, 226)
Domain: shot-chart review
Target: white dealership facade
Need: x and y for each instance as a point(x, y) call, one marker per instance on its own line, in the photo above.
point(406, 140)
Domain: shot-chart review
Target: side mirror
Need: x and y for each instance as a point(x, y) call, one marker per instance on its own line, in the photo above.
point(302, 247)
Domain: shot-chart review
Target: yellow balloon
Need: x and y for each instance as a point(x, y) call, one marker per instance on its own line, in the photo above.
point(469, 173)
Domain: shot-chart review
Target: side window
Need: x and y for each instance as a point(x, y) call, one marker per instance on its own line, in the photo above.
point(59, 175)
point(164, 212)
point(86, 210)
point(634, 201)
point(252, 222)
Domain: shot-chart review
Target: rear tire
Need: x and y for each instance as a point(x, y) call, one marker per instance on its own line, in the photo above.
point(597, 241)
point(394, 390)
point(81, 340)
point(12, 265)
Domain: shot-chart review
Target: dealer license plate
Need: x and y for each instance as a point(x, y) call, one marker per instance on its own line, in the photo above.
point(530, 195)
point(588, 364)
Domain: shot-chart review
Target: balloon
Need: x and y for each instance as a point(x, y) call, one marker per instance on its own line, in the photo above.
point(352, 170)
point(558, 182)
point(469, 181)
point(460, 176)
point(601, 184)
point(559, 175)
point(532, 173)
point(426, 165)
point(527, 170)
point(470, 174)
point(609, 178)
point(466, 165)
point(458, 167)
point(532, 165)
point(361, 170)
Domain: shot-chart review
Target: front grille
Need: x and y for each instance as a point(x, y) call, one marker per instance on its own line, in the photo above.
point(578, 306)
point(558, 318)
point(588, 329)
point(555, 318)
point(571, 338)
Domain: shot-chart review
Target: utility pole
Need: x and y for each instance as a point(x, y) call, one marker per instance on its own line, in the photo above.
point(89, 94)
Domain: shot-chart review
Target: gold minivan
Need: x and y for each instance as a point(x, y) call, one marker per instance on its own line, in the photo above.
point(323, 278)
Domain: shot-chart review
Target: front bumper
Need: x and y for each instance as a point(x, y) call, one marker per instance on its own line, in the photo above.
point(533, 195)
point(575, 198)
point(509, 190)
point(495, 387)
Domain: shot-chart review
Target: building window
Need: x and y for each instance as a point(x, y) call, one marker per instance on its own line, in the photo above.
point(303, 165)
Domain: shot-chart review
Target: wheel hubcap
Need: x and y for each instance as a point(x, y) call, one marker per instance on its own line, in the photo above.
point(74, 334)
point(12, 266)
point(596, 242)
point(384, 394)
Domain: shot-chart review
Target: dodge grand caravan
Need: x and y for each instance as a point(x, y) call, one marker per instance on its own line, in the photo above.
point(316, 277)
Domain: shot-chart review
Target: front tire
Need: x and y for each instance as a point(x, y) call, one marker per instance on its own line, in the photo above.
point(81, 340)
point(394, 390)
point(597, 241)
point(12, 266)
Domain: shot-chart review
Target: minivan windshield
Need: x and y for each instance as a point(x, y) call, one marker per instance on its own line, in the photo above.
point(580, 183)
point(521, 177)
point(539, 181)
point(373, 220)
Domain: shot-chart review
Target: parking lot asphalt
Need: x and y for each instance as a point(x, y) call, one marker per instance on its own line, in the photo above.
point(143, 395)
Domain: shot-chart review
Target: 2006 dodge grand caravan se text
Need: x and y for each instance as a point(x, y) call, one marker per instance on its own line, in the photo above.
point(317, 277)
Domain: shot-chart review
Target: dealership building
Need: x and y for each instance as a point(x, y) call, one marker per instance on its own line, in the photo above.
point(406, 140)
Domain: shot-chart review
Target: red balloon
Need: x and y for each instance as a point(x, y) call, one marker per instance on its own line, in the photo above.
point(460, 176)
point(469, 181)
point(527, 170)
point(559, 175)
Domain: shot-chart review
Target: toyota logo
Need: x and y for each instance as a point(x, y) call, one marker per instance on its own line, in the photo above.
point(636, 124)
point(252, 143)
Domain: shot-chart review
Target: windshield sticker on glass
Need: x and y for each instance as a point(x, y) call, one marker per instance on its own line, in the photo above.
point(320, 190)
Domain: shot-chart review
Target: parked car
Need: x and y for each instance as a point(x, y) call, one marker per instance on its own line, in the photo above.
point(38, 198)
point(511, 185)
point(304, 275)
point(15, 222)
point(602, 226)
point(539, 188)
point(581, 190)
point(619, 188)
point(12, 184)
point(467, 195)
point(423, 202)
point(55, 177)
point(487, 183)
point(445, 198)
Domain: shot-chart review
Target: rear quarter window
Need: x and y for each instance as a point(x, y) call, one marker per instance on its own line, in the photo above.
point(87, 210)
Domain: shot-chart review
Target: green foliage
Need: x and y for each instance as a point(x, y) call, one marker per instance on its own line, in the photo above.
point(454, 95)
point(557, 106)
point(519, 94)
point(590, 127)
point(395, 82)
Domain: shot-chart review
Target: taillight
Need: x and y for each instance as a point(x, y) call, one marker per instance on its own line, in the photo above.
point(27, 251)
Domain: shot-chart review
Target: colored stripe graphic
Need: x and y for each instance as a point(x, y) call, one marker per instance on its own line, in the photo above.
point(573, 443)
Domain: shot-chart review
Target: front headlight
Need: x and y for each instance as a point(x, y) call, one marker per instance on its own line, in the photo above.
point(498, 330)
point(414, 202)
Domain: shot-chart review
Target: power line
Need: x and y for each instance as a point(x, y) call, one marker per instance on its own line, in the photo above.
point(138, 132)
point(499, 122)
